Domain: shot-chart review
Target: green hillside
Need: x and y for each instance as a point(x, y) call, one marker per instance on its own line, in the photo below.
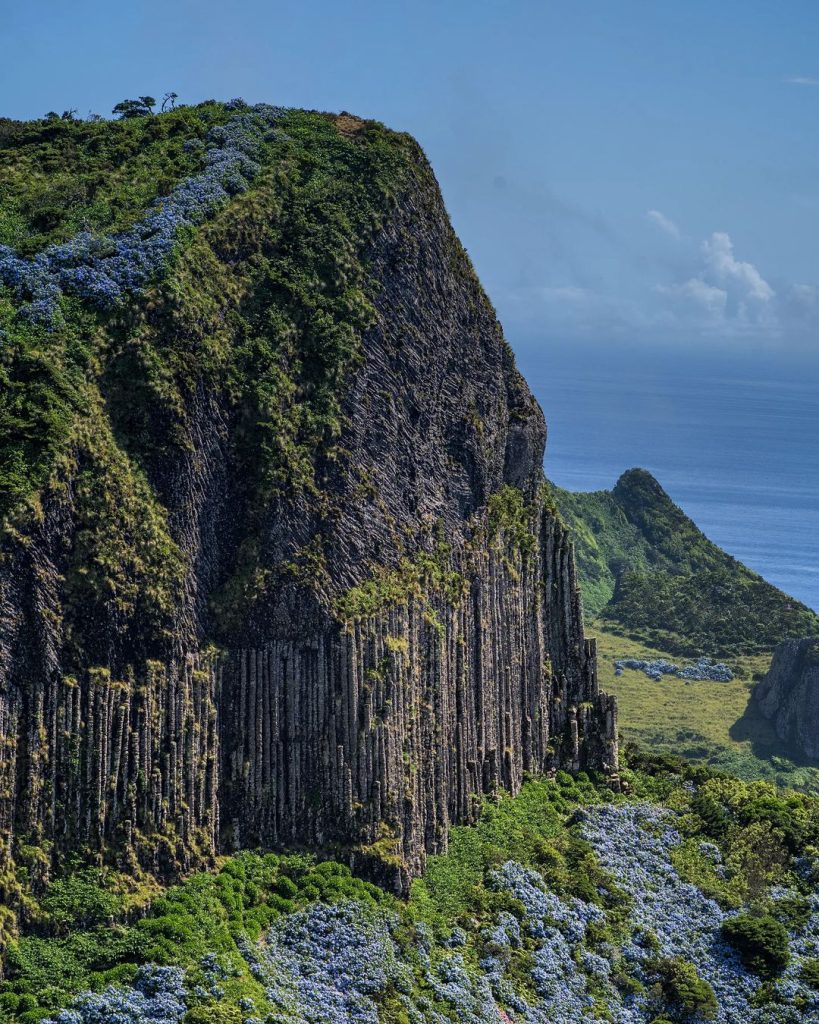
point(715, 724)
point(648, 572)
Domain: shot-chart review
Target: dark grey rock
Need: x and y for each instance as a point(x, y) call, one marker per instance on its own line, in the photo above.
point(375, 732)
point(789, 694)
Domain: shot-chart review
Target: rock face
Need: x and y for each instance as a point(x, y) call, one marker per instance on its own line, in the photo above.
point(352, 659)
point(789, 694)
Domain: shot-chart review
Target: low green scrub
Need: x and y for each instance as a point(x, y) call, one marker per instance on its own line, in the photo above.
point(60, 176)
point(80, 941)
point(650, 574)
point(762, 942)
point(685, 994)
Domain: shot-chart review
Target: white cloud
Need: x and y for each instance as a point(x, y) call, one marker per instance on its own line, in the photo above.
point(727, 270)
point(706, 297)
point(806, 295)
point(687, 290)
point(725, 294)
point(663, 223)
point(802, 80)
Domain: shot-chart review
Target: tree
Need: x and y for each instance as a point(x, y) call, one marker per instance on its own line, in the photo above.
point(169, 99)
point(687, 994)
point(141, 107)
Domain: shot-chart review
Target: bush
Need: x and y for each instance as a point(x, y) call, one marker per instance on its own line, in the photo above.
point(810, 973)
point(685, 991)
point(79, 901)
point(762, 942)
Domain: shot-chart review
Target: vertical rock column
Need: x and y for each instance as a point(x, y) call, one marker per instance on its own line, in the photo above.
point(385, 730)
point(131, 765)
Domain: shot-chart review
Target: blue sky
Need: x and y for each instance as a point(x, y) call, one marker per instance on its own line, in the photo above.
point(619, 171)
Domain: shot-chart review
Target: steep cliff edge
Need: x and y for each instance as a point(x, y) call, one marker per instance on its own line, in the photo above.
point(277, 562)
point(789, 695)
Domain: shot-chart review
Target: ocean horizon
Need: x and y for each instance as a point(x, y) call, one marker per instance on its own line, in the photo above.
point(736, 447)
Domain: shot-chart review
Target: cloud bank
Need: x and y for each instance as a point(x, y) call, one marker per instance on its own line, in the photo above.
point(685, 290)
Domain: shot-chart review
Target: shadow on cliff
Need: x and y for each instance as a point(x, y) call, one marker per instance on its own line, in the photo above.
point(754, 728)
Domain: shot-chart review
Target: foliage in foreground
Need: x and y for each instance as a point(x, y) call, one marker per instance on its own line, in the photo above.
point(566, 904)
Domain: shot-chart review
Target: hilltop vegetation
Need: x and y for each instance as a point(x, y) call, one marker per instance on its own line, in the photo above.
point(649, 573)
point(692, 898)
point(210, 247)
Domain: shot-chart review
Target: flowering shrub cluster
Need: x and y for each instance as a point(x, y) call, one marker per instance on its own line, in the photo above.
point(324, 965)
point(157, 997)
point(673, 919)
point(102, 270)
point(703, 668)
point(797, 984)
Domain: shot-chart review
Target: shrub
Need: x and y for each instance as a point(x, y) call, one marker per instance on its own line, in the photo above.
point(810, 973)
point(685, 991)
point(79, 900)
point(762, 942)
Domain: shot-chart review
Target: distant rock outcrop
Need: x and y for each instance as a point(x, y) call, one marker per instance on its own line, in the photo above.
point(789, 695)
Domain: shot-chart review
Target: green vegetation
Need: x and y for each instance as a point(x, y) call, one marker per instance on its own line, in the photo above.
point(685, 991)
point(760, 830)
point(762, 942)
point(263, 305)
point(509, 514)
point(716, 724)
point(75, 943)
point(529, 828)
point(432, 572)
point(78, 936)
point(62, 176)
point(650, 574)
point(424, 574)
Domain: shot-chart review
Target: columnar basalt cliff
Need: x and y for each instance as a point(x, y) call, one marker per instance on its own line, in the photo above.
point(789, 695)
point(281, 569)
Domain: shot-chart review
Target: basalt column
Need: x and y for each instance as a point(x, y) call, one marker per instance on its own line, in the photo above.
point(94, 763)
point(386, 729)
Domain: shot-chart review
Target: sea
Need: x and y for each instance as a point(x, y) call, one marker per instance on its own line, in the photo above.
point(733, 438)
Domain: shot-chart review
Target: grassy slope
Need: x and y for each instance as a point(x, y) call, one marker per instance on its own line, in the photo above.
point(707, 722)
point(655, 586)
point(649, 573)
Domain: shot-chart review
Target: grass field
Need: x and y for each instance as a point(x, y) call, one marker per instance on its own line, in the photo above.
point(704, 721)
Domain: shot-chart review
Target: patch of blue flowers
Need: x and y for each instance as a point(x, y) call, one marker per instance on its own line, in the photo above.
point(324, 965)
point(634, 843)
point(703, 668)
point(157, 997)
point(103, 270)
point(804, 946)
